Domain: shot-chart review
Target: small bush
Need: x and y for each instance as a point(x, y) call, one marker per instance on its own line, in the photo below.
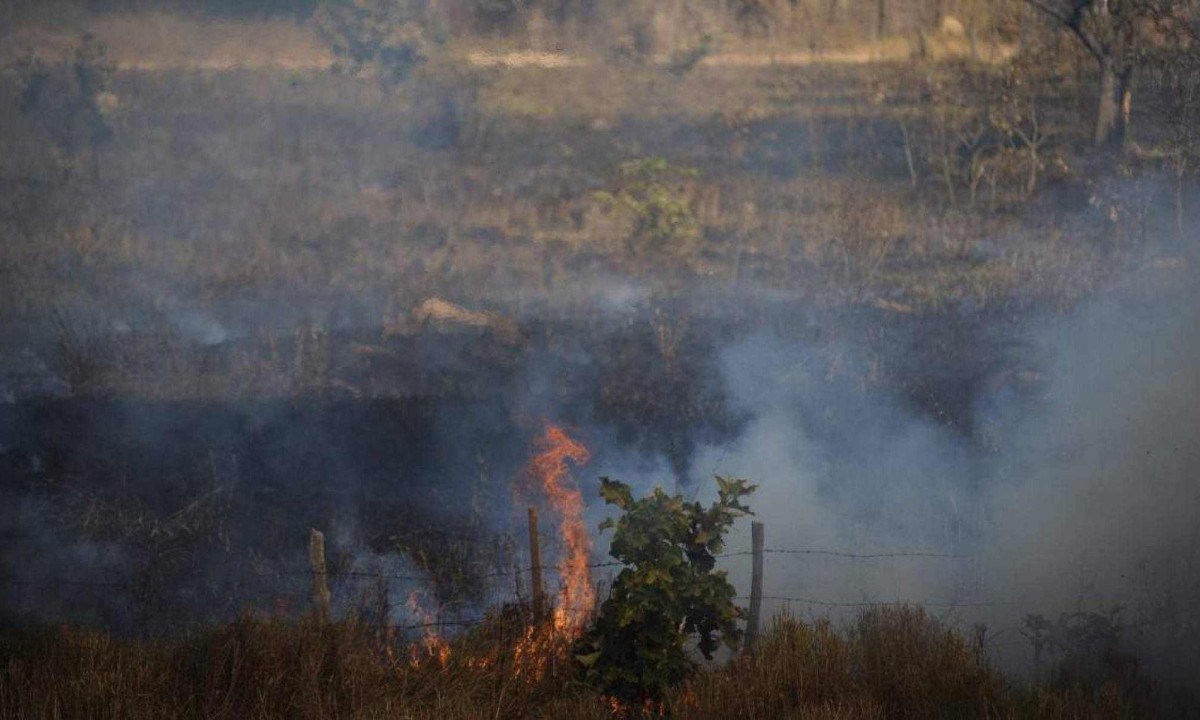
point(387, 36)
point(668, 594)
point(656, 195)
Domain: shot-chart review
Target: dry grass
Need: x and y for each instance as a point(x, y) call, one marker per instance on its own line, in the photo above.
point(270, 189)
point(893, 663)
point(223, 183)
point(170, 40)
point(163, 40)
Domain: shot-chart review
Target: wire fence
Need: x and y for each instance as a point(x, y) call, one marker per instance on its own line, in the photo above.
point(378, 575)
point(382, 576)
point(883, 603)
point(1014, 636)
point(457, 614)
point(849, 555)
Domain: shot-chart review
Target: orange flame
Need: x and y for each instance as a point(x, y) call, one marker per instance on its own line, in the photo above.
point(432, 644)
point(549, 467)
point(543, 651)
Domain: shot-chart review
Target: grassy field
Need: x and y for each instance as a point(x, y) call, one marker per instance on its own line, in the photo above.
point(890, 663)
point(479, 185)
point(244, 204)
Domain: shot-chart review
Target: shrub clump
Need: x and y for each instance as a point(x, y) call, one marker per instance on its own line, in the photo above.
point(669, 593)
point(386, 36)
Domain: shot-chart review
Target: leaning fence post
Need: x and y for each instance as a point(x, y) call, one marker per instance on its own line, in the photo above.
point(756, 579)
point(316, 558)
point(535, 559)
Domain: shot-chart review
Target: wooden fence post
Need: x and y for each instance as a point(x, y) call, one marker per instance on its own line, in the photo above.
point(756, 579)
point(316, 558)
point(535, 559)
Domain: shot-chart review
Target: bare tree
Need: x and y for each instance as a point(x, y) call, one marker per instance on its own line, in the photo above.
point(1176, 77)
point(1114, 33)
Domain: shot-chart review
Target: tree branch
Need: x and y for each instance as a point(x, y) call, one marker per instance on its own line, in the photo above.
point(1074, 23)
point(1049, 10)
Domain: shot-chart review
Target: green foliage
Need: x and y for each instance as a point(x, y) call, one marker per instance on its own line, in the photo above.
point(668, 594)
point(388, 36)
point(656, 194)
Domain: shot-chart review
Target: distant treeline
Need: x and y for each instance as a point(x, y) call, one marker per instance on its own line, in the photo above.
point(871, 17)
point(247, 8)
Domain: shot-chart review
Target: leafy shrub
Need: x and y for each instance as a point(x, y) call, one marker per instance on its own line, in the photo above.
point(387, 36)
point(656, 195)
point(668, 595)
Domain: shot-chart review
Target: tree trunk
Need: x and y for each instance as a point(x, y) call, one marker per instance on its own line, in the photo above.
point(1031, 181)
point(1180, 172)
point(1126, 89)
point(1116, 102)
point(881, 18)
point(936, 13)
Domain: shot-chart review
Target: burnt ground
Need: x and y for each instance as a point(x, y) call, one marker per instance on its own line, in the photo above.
point(188, 508)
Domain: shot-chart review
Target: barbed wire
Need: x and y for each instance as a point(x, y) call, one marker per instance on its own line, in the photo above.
point(841, 554)
point(56, 582)
point(555, 568)
point(376, 575)
point(436, 623)
point(370, 575)
point(881, 603)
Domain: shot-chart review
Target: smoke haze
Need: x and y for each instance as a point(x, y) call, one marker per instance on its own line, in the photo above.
point(1078, 495)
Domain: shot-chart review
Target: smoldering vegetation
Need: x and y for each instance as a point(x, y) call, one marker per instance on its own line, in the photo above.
point(904, 295)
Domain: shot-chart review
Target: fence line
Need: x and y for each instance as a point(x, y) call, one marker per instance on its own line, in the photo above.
point(320, 575)
point(436, 623)
point(882, 603)
point(56, 582)
point(741, 553)
point(369, 575)
point(854, 556)
point(775, 598)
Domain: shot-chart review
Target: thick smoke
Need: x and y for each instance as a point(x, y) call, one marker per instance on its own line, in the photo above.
point(1092, 499)
point(1078, 494)
point(840, 469)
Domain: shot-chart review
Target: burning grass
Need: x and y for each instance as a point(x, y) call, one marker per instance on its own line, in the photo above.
point(893, 662)
point(549, 469)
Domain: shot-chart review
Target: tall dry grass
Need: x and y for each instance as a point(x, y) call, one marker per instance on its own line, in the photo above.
point(890, 663)
point(893, 662)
